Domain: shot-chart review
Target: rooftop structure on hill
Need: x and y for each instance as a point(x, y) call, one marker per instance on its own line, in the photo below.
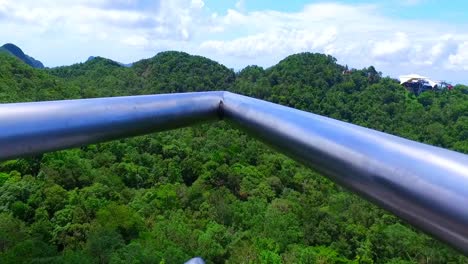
point(417, 84)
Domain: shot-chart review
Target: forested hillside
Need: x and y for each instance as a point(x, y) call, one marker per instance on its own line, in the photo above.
point(13, 50)
point(210, 190)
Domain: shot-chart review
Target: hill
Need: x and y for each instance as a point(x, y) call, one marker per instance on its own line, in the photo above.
point(20, 82)
point(211, 190)
point(18, 53)
point(90, 58)
point(166, 72)
point(193, 73)
point(99, 77)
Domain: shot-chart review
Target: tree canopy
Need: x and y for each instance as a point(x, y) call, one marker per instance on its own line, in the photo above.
point(211, 190)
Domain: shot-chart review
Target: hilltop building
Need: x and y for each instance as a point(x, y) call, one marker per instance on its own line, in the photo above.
point(417, 84)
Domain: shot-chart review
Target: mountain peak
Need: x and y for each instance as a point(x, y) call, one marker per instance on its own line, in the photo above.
point(15, 51)
point(99, 58)
point(90, 58)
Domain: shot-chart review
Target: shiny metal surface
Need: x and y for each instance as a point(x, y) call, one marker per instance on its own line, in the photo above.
point(425, 185)
point(196, 260)
point(32, 128)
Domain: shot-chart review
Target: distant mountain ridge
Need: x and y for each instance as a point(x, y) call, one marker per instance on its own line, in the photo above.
point(90, 58)
point(18, 53)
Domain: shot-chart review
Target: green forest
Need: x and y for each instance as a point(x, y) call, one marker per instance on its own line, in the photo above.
point(211, 190)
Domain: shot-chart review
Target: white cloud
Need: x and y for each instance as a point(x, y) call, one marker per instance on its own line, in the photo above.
point(164, 20)
point(395, 48)
point(136, 41)
point(65, 32)
point(240, 5)
point(198, 4)
point(459, 60)
point(358, 35)
point(283, 41)
point(443, 49)
point(3, 5)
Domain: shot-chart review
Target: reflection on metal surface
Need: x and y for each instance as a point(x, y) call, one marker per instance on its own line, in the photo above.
point(32, 128)
point(196, 260)
point(425, 185)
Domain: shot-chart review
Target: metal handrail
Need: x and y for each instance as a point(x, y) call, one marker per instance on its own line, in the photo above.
point(422, 184)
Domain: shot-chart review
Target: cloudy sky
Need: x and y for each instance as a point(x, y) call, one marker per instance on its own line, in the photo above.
point(428, 37)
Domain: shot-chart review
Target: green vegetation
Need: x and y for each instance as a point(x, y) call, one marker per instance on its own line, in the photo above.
point(15, 51)
point(210, 190)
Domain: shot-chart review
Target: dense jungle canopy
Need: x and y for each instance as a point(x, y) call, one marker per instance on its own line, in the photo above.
point(211, 190)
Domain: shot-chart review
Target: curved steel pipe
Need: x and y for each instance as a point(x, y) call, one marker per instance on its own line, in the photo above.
point(33, 128)
point(425, 185)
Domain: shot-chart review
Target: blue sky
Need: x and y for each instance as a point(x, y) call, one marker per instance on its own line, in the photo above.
point(434, 9)
point(396, 36)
